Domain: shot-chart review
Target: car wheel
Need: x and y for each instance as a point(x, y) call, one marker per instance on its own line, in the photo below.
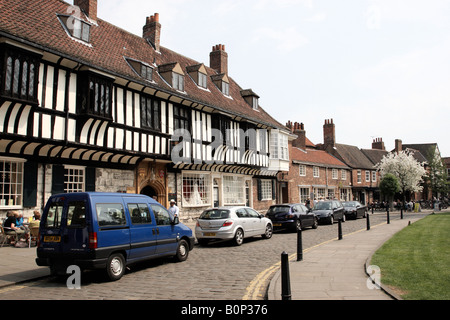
point(331, 220)
point(182, 251)
point(269, 231)
point(315, 223)
point(115, 267)
point(239, 237)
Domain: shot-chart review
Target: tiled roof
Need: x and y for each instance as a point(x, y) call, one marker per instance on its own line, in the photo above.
point(35, 23)
point(374, 155)
point(353, 157)
point(316, 157)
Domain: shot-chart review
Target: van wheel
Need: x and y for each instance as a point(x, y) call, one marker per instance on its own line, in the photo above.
point(115, 267)
point(182, 251)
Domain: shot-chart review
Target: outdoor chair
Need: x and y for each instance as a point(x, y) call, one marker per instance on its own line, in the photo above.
point(34, 234)
point(7, 233)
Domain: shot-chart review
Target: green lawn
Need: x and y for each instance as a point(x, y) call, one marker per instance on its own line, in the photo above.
point(416, 261)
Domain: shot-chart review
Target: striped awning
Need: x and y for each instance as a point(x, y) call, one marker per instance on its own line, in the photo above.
point(226, 168)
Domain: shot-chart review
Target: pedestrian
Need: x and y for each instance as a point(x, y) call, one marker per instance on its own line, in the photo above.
point(173, 209)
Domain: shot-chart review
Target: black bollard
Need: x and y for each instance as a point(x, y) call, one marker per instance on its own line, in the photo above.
point(388, 219)
point(299, 245)
point(285, 278)
point(340, 229)
point(367, 222)
point(401, 212)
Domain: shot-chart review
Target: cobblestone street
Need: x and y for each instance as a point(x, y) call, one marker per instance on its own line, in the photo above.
point(219, 271)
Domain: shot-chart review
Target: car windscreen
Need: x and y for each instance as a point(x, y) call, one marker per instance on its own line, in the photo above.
point(322, 206)
point(278, 209)
point(349, 204)
point(215, 214)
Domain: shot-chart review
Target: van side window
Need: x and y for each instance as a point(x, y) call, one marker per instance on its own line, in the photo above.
point(139, 213)
point(54, 215)
point(161, 215)
point(76, 214)
point(110, 214)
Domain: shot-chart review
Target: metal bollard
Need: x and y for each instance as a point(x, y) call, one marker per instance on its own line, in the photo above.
point(285, 278)
point(401, 212)
point(368, 221)
point(388, 218)
point(340, 229)
point(299, 245)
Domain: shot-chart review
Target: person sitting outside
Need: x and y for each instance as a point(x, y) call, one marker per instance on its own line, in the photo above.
point(36, 219)
point(10, 225)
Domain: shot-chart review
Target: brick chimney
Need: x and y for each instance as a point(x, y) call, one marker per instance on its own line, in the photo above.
point(152, 31)
point(218, 59)
point(299, 130)
point(87, 6)
point(329, 134)
point(398, 145)
point(378, 144)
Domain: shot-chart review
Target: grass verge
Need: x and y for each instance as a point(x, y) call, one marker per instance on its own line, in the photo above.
point(415, 262)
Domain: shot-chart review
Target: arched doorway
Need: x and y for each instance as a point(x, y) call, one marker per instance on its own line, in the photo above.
point(149, 191)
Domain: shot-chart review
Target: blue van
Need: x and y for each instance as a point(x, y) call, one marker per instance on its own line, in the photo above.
point(108, 231)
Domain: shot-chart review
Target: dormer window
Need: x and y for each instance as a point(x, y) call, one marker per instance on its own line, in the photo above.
point(173, 75)
point(251, 98)
point(198, 74)
point(178, 81)
point(76, 27)
point(222, 83)
point(141, 68)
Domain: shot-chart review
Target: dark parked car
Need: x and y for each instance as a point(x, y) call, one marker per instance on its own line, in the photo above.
point(354, 209)
point(329, 211)
point(291, 216)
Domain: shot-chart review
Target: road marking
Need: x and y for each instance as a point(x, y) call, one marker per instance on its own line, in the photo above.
point(255, 290)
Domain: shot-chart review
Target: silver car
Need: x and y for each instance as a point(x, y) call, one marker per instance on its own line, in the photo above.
point(232, 223)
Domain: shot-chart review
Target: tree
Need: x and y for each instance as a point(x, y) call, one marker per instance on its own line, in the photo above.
point(408, 171)
point(437, 177)
point(389, 186)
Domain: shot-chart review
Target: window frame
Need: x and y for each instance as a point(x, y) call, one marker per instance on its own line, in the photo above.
point(12, 200)
point(316, 172)
point(67, 183)
point(188, 180)
point(89, 95)
point(266, 190)
point(150, 113)
point(17, 85)
point(302, 170)
point(78, 25)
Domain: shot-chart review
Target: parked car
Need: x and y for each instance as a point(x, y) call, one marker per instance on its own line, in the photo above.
point(292, 216)
point(108, 231)
point(329, 211)
point(232, 223)
point(354, 209)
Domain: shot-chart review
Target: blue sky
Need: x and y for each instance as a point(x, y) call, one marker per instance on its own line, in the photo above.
point(379, 68)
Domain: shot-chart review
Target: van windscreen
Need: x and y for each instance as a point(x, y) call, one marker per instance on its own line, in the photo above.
point(110, 214)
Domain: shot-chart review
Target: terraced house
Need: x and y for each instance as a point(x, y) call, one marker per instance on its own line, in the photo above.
point(85, 105)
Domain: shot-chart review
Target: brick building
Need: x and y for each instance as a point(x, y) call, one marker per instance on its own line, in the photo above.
point(315, 174)
point(363, 175)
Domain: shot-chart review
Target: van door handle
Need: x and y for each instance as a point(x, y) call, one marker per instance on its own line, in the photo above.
point(157, 231)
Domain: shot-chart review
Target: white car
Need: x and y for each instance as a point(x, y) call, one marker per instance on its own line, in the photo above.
point(232, 223)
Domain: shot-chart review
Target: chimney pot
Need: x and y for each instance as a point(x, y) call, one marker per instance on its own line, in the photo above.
point(218, 59)
point(152, 31)
point(88, 6)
